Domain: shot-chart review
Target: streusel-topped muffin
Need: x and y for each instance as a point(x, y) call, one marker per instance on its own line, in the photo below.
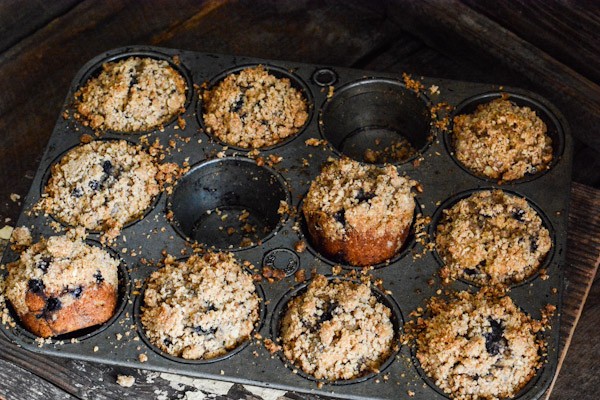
point(501, 140)
point(478, 346)
point(101, 186)
point(254, 109)
point(200, 308)
point(337, 330)
point(492, 237)
point(131, 95)
point(62, 284)
point(359, 214)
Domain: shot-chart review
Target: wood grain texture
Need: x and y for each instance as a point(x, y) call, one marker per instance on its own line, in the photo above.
point(19, 19)
point(453, 28)
point(12, 376)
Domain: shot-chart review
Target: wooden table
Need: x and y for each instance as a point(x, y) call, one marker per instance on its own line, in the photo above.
point(547, 47)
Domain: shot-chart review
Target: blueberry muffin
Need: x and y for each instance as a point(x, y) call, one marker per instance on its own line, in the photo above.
point(501, 140)
point(359, 214)
point(254, 109)
point(337, 330)
point(491, 237)
point(478, 346)
point(200, 308)
point(131, 95)
point(101, 186)
point(61, 284)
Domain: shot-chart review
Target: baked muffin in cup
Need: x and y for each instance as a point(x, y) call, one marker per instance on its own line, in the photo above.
point(359, 214)
point(253, 108)
point(337, 330)
point(101, 186)
point(200, 308)
point(478, 346)
point(501, 140)
point(62, 284)
point(131, 95)
point(491, 237)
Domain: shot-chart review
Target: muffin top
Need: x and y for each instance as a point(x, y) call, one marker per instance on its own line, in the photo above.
point(372, 200)
point(131, 95)
point(200, 308)
point(61, 268)
point(478, 346)
point(101, 186)
point(501, 140)
point(491, 237)
point(254, 109)
point(337, 330)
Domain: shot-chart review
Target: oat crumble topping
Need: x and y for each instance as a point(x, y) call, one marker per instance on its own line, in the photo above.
point(131, 95)
point(253, 109)
point(501, 140)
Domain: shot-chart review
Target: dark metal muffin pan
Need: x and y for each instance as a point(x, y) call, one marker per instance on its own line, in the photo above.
point(346, 106)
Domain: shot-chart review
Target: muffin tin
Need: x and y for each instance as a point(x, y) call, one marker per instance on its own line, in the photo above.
point(353, 110)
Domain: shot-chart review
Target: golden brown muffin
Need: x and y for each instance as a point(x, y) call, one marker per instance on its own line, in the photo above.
point(61, 284)
point(478, 347)
point(201, 308)
point(359, 214)
point(501, 140)
point(337, 330)
point(131, 95)
point(254, 109)
point(101, 186)
point(492, 237)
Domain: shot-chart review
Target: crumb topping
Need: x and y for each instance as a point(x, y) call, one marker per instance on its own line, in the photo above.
point(200, 308)
point(501, 140)
point(478, 346)
point(492, 237)
point(348, 195)
point(101, 186)
point(337, 330)
point(135, 94)
point(253, 109)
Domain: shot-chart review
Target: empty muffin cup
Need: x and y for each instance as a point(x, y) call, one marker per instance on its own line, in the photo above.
point(376, 121)
point(229, 203)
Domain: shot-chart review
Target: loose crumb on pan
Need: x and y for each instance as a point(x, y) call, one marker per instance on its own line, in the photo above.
point(253, 109)
point(337, 330)
point(101, 186)
point(125, 380)
point(200, 308)
point(477, 346)
point(131, 95)
point(491, 237)
point(501, 140)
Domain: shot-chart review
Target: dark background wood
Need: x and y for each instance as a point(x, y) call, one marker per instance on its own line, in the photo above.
point(550, 47)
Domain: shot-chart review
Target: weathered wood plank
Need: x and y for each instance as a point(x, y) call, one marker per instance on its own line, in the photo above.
point(19, 19)
point(567, 31)
point(455, 29)
point(17, 383)
point(583, 257)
